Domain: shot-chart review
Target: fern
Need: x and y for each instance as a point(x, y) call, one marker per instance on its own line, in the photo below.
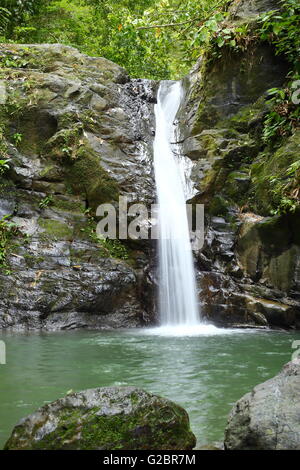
point(4, 18)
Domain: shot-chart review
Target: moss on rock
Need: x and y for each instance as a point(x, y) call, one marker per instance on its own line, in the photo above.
point(105, 419)
point(88, 178)
point(273, 178)
point(246, 117)
point(65, 204)
point(54, 229)
point(218, 206)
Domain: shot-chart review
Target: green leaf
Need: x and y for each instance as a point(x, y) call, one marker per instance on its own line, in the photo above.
point(212, 25)
point(276, 28)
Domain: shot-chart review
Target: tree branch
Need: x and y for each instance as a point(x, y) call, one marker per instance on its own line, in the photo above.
point(168, 24)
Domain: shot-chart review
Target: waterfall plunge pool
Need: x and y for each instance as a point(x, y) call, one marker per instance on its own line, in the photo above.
point(205, 373)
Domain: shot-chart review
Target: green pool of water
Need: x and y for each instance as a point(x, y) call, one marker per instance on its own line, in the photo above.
point(206, 374)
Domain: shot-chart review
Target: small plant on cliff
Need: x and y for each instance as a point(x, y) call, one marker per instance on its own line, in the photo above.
point(281, 28)
point(3, 148)
point(8, 230)
point(45, 202)
point(15, 104)
point(67, 142)
point(109, 248)
point(17, 137)
point(4, 18)
point(286, 192)
point(114, 248)
point(284, 115)
point(237, 39)
point(4, 166)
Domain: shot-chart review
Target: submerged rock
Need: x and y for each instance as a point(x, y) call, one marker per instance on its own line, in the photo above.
point(105, 419)
point(268, 418)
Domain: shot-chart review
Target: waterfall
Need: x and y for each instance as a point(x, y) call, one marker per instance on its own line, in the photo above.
point(177, 285)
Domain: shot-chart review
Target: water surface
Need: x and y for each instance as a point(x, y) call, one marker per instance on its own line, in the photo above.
point(206, 373)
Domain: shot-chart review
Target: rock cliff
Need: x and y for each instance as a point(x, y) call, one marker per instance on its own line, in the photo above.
point(76, 132)
point(249, 267)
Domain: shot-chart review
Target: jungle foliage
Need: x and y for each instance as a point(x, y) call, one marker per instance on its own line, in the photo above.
point(151, 38)
point(157, 39)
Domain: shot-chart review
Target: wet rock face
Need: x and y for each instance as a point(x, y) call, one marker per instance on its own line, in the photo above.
point(78, 133)
point(56, 294)
point(236, 81)
point(105, 419)
point(268, 417)
point(248, 269)
point(248, 9)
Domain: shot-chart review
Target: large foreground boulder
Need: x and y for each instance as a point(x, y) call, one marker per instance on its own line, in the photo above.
point(268, 418)
point(105, 419)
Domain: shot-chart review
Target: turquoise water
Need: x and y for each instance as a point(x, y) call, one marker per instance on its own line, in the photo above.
point(206, 374)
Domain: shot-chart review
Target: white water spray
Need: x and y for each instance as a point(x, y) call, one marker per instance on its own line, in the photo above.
point(177, 285)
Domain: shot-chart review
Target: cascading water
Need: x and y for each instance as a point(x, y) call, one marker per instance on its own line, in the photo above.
point(177, 285)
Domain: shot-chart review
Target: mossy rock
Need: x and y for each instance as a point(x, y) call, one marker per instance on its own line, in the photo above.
point(35, 127)
point(51, 173)
point(260, 238)
point(87, 177)
point(268, 248)
point(237, 184)
point(51, 57)
point(82, 168)
point(280, 231)
point(270, 176)
point(18, 57)
point(105, 419)
point(246, 117)
point(54, 229)
point(282, 270)
point(218, 206)
point(232, 86)
point(7, 188)
point(248, 10)
point(65, 204)
point(274, 233)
